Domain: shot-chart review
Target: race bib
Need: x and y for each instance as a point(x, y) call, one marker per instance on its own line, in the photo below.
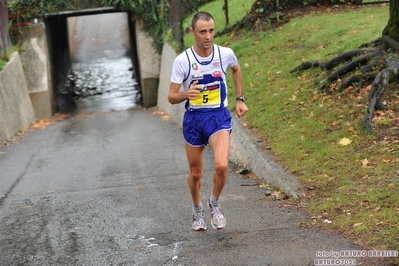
point(209, 96)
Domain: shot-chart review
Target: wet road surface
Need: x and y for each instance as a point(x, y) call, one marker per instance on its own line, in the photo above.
point(101, 82)
point(110, 189)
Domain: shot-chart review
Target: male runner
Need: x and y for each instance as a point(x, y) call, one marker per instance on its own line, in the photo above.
point(201, 70)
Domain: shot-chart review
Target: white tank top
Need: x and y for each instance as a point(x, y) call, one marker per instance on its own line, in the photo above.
point(210, 73)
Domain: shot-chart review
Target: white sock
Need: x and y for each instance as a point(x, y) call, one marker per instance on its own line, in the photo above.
point(214, 201)
point(198, 208)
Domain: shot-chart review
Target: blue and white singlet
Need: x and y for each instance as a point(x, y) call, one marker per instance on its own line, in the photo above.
point(210, 73)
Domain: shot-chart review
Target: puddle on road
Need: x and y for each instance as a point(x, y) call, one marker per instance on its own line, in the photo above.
point(102, 84)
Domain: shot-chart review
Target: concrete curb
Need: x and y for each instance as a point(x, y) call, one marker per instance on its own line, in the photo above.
point(246, 152)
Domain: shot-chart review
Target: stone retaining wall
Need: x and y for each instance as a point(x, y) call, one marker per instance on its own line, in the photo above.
point(16, 110)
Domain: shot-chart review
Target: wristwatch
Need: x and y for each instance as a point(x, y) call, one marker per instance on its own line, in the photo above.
point(241, 98)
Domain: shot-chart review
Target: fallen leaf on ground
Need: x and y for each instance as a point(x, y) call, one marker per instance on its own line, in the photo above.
point(165, 118)
point(158, 112)
point(357, 225)
point(365, 163)
point(345, 142)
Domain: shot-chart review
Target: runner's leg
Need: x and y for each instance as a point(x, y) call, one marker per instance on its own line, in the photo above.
point(194, 157)
point(220, 144)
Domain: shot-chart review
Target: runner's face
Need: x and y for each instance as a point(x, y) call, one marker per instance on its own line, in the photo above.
point(203, 33)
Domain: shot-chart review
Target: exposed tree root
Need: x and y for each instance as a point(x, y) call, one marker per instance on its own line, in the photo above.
point(378, 87)
point(376, 60)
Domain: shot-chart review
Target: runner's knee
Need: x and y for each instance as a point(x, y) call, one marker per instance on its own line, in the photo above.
point(221, 168)
point(196, 175)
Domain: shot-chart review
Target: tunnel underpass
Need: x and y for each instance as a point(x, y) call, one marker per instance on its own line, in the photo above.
point(93, 59)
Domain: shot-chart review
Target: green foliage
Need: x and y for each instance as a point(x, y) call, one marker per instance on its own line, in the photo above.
point(237, 10)
point(322, 2)
point(3, 62)
point(22, 12)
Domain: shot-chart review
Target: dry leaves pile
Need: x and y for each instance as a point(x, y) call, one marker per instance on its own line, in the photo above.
point(43, 123)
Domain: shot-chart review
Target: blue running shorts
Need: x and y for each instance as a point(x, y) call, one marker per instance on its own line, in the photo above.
point(198, 127)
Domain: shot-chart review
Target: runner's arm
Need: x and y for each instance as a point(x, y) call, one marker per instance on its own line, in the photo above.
point(237, 79)
point(175, 96)
point(241, 107)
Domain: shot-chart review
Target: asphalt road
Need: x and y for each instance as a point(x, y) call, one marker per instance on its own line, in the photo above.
point(110, 189)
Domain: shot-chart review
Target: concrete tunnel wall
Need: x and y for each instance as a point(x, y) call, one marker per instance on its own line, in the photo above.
point(59, 57)
point(37, 69)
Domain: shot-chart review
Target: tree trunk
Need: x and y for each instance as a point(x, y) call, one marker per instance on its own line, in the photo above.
point(226, 11)
point(392, 29)
point(176, 23)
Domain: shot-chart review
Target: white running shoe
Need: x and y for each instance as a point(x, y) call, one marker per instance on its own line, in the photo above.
point(218, 221)
point(198, 220)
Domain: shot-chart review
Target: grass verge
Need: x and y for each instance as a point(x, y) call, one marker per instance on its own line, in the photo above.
point(354, 186)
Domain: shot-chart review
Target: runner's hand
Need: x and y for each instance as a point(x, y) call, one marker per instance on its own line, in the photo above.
point(241, 108)
point(193, 92)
